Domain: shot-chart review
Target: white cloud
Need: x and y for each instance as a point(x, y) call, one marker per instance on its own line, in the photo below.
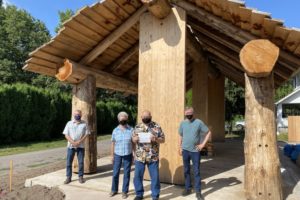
point(6, 3)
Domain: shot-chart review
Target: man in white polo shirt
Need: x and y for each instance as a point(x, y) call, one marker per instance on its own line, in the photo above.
point(75, 132)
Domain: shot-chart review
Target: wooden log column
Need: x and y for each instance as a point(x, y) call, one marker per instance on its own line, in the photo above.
point(216, 108)
point(262, 165)
point(200, 90)
point(84, 99)
point(161, 86)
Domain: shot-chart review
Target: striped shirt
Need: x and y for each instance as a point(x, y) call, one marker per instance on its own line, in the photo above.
point(122, 139)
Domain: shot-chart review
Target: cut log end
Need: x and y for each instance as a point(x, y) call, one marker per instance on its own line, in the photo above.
point(65, 71)
point(159, 8)
point(258, 57)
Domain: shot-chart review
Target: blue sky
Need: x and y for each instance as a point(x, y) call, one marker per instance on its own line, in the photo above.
point(47, 10)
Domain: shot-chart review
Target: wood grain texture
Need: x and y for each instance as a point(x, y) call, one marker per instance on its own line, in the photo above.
point(294, 129)
point(258, 57)
point(162, 83)
point(262, 165)
point(84, 99)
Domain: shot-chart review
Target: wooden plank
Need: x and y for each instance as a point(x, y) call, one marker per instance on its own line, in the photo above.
point(73, 43)
point(126, 6)
point(39, 61)
point(216, 7)
point(124, 58)
point(158, 76)
point(269, 26)
point(257, 21)
point(116, 9)
point(104, 44)
point(46, 56)
point(234, 11)
point(292, 41)
point(78, 36)
point(280, 35)
point(294, 129)
point(245, 16)
point(32, 67)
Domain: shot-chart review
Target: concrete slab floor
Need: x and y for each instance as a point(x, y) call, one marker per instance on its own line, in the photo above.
point(222, 178)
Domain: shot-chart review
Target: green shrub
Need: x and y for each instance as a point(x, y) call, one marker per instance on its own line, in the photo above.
point(29, 113)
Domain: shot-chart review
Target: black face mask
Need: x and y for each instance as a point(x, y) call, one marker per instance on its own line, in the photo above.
point(146, 120)
point(189, 117)
point(123, 122)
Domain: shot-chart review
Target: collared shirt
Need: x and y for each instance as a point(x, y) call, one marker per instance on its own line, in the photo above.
point(122, 139)
point(193, 133)
point(76, 131)
point(148, 152)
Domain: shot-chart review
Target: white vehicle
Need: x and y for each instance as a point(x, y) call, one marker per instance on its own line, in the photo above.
point(240, 125)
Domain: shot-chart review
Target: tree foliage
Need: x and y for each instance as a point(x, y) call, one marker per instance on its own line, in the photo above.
point(63, 16)
point(20, 34)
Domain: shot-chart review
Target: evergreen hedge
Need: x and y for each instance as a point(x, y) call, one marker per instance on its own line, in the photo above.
point(29, 113)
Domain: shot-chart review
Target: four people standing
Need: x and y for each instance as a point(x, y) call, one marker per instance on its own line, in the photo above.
point(141, 144)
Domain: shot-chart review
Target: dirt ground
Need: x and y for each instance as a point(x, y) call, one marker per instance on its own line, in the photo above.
point(19, 192)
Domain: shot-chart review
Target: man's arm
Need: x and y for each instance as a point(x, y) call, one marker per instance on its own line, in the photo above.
point(202, 145)
point(70, 139)
point(180, 145)
point(112, 151)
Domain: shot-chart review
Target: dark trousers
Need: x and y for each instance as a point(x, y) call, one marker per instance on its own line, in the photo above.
point(139, 176)
point(116, 172)
point(70, 157)
point(195, 157)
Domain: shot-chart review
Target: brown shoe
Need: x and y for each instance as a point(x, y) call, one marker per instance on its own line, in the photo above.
point(68, 180)
point(81, 180)
point(124, 195)
point(111, 194)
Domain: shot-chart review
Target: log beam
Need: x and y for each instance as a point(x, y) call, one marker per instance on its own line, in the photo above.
point(231, 30)
point(195, 51)
point(262, 165)
point(71, 71)
point(258, 57)
point(123, 58)
point(159, 8)
point(112, 37)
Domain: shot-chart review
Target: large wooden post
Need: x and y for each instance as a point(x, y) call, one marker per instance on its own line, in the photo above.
point(84, 99)
point(216, 108)
point(162, 83)
point(262, 165)
point(200, 90)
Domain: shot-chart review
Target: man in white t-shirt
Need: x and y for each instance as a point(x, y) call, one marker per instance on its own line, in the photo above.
point(75, 132)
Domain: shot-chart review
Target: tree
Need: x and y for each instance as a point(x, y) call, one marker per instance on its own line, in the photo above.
point(63, 16)
point(283, 90)
point(20, 34)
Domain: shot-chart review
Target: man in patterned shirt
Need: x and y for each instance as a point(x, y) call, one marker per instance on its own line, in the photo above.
point(147, 154)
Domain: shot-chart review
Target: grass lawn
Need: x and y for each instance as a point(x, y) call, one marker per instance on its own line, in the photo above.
point(282, 137)
point(6, 150)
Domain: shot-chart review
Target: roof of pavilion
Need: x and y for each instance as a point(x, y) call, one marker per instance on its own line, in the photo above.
point(105, 37)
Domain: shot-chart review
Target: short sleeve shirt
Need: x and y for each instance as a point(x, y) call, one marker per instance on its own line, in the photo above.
point(193, 133)
point(122, 139)
point(148, 152)
point(76, 131)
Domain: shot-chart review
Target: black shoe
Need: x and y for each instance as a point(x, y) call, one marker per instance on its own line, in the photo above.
point(138, 198)
point(81, 180)
point(124, 195)
point(68, 180)
point(186, 192)
point(111, 194)
point(199, 196)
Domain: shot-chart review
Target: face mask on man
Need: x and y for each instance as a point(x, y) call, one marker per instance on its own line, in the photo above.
point(189, 117)
point(77, 117)
point(123, 122)
point(146, 120)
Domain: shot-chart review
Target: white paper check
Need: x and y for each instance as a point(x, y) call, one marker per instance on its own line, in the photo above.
point(144, 137)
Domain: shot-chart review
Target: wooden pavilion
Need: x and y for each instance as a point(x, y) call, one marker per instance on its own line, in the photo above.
point(159, 49)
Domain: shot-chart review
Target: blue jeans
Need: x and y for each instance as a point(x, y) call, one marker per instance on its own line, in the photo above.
point(116, 172)
point(139, 176)
point(195, 157)
point(70, 157)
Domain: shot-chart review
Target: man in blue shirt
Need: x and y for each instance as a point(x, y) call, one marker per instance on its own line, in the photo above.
point(194, 135)
point(121, 149)
point(75, 132)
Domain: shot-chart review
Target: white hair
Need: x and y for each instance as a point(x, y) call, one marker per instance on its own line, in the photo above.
point(122, 114)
